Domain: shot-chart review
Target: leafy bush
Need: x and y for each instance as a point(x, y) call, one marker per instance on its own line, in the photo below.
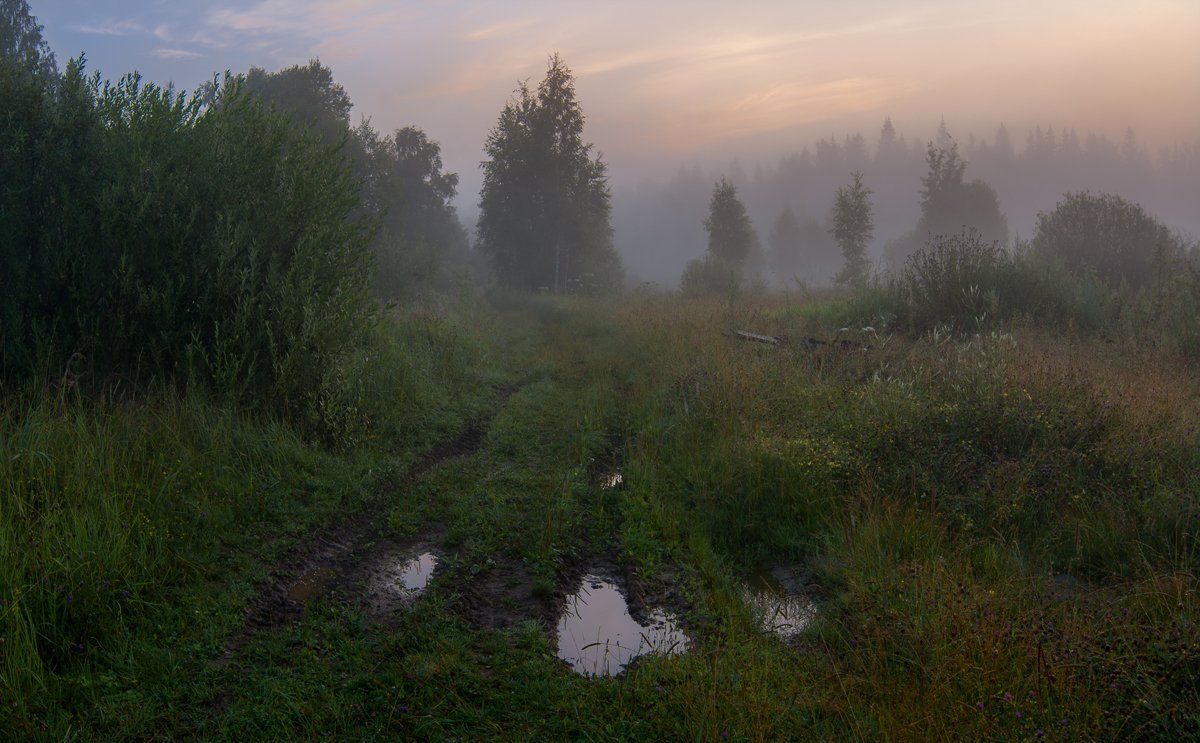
point(156, 236)
point(711, 275)
point(1105, 233)
point(965, 284)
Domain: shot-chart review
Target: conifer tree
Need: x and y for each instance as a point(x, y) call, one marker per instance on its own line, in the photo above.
point(731, 235)
point(545, 206)
point(853, 228)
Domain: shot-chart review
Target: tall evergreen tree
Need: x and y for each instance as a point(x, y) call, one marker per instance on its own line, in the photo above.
point(731, 235)
point(853, 228)
point(545, 206)
point(949, 202)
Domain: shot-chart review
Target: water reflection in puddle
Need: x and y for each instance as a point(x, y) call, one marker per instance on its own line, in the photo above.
point(400, 580)
point(597, 635)
point(776, 608)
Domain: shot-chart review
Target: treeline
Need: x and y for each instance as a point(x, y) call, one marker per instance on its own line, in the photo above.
point(659, 225)
point(1095, 261)
point(242, 238)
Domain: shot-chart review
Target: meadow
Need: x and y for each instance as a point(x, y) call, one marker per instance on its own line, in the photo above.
point(998, 529)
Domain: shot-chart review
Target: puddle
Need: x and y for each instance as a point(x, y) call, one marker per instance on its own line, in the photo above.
point(776, 602)
point(611, 480)
point(311, 585)
point(598, 636)
point(399, 580)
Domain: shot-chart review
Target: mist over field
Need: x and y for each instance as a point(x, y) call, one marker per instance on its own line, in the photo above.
point(785, 99)
point(482, 370)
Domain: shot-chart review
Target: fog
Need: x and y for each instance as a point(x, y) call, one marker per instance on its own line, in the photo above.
point(658, 221)
point(783, 98)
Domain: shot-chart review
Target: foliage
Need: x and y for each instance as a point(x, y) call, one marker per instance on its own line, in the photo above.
point(545, 206)
point(309, 94)
point(963, 284)
point(152, 236)
point(1105, 233)
point(731, 235)
point(405, 191)
point(711, 275)
point(950, 203)
point(853, 228)
point(420, 237)
point(118, 514)
point(21, 40)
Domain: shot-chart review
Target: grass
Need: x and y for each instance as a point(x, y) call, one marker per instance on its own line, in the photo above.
point(1003, 529)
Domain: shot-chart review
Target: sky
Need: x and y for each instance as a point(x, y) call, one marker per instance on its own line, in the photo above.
point(686, 81)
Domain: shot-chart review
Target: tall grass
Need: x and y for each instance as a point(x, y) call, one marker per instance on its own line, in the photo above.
point(113, 505)
point(1001, 525)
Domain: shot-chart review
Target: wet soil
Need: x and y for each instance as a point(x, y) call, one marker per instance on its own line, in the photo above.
point(348, 560)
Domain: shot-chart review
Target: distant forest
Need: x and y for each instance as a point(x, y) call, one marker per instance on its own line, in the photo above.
point(659, 225)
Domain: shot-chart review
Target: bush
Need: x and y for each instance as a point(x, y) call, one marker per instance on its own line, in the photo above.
point(966, 285)
point(711, 275)
point(1105, 233)
point(159, 237)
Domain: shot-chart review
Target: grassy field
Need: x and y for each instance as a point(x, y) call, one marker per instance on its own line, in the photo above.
point(1000, 532)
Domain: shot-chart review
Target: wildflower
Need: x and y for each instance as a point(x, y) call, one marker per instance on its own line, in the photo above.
point(1019, 714)
point(404, 708)
point(1007, 697)
point(724, 735)
point(1040, 733)
point(1063, 722)
point(979, 706)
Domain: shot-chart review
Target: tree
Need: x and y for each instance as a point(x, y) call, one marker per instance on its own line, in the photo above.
point(731, 236)
point(405, 190)
point(1108, 234)
point(21, 39)
point(309, 94)
point(545, 207)
point(410, 195)
point(853, 228)
point(949, 203)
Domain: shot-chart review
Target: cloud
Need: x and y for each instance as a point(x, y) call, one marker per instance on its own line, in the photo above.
point(504, 28)
point(111, 28)
point(175, 54)
point(310, 18)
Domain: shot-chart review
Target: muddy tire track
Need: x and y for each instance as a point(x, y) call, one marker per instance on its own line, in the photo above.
point(346, 556)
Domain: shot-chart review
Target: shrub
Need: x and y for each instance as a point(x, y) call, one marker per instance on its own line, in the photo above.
point(159, 237)
point(965, 284)
point(1105, 233)
point(711, 275)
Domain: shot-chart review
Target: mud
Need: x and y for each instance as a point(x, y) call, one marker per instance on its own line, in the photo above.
point(346, 560)
point(507, 595)
point(395, 579)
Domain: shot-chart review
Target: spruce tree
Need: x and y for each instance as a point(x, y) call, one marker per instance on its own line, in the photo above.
point(853, 228)
point(545, 206)
point(730, 233)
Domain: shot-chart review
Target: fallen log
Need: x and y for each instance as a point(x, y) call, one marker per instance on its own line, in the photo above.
point(757, 337)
